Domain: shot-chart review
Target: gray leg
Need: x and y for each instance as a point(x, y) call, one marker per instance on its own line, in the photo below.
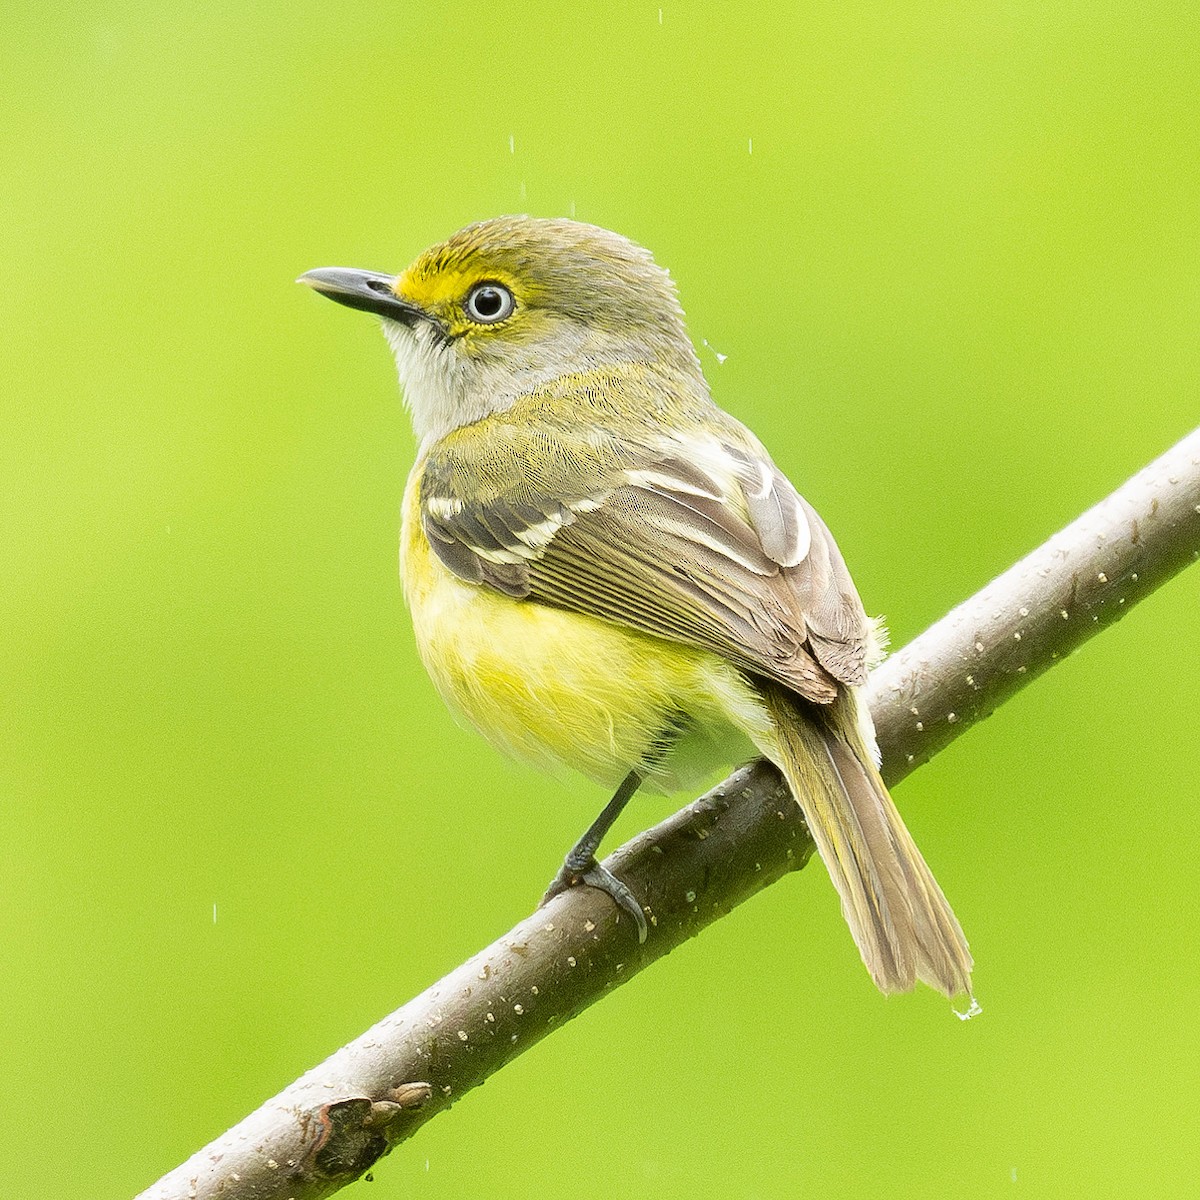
point(580, 866)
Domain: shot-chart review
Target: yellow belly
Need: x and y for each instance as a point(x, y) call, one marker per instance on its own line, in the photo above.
point(560, 688)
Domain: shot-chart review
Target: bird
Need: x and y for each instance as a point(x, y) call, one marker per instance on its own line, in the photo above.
point(608, 572)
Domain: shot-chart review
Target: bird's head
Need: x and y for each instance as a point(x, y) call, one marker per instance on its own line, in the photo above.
point(509, 304)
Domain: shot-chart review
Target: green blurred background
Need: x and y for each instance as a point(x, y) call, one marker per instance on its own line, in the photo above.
point(951, 254)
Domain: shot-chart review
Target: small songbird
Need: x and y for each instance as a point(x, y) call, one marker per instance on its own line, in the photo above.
point(606, 570)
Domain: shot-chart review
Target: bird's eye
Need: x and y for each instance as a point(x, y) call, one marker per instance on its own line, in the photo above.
point(488, 303)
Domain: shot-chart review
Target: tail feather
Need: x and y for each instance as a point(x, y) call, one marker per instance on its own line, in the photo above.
point(902, 923)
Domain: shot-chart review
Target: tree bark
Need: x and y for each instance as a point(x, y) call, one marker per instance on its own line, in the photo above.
point(332, 1124)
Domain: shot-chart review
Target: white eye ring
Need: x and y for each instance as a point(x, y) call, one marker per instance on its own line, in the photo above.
point(488, 303)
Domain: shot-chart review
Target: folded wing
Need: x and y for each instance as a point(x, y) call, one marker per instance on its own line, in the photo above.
point(691, 538)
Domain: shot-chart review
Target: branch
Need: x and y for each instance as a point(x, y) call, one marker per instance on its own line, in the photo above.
point(328, 1127)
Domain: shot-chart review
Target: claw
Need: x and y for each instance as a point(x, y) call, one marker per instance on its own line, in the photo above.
point(594, 875)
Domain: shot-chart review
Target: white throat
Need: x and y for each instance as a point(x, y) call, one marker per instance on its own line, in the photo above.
point(441, 390)
point(445, 388)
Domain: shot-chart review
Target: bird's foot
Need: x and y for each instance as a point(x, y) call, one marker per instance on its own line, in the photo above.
point(572, 873)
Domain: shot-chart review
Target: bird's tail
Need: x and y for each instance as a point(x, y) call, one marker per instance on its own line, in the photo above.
point(903, 925)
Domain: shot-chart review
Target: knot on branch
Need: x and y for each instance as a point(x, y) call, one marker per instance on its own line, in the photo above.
point(351, 1134)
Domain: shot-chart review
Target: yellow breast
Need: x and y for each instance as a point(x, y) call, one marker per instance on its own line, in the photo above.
point(561, 688)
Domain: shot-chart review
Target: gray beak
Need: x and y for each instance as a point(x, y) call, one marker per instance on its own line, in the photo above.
point(370, 291)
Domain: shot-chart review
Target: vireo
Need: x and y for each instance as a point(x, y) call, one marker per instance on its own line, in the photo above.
point(606, 570)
